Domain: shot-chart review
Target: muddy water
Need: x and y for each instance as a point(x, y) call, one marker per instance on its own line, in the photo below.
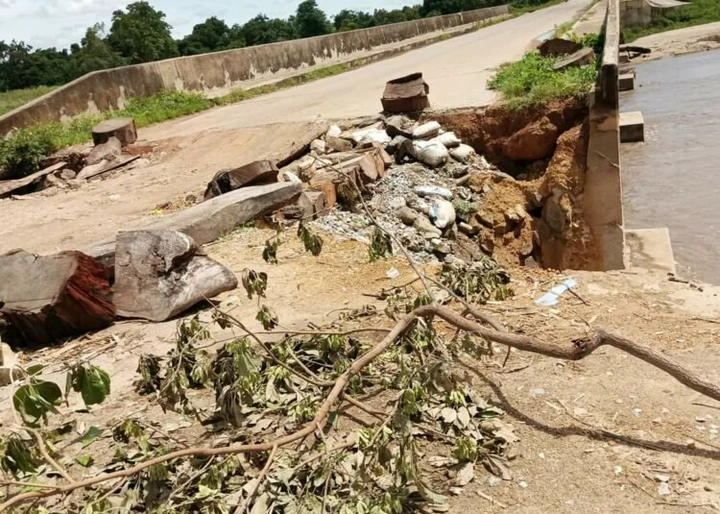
point(673, 179)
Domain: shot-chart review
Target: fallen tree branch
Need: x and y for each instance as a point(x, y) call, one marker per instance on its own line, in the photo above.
point(578, 349)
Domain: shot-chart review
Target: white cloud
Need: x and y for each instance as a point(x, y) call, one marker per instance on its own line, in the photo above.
point(7, 3)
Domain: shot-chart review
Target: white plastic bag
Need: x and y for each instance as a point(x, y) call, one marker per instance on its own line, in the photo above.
point(442, 213)
point(372, 134)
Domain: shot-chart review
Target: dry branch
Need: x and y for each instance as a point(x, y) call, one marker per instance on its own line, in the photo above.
point(578, 349)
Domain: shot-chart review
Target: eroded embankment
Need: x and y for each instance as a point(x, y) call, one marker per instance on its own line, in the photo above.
point(535, 217)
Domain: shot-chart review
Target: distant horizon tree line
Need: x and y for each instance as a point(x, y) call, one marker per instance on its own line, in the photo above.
point(141, 34)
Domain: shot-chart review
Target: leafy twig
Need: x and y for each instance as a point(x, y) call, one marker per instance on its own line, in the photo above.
point(258, 482)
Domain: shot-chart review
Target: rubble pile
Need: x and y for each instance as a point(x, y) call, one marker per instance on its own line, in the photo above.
point(415, 181)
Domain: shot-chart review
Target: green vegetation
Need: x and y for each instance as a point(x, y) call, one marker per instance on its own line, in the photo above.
point(533, 80)
point(140, 33)
point(22, 152)
point(518, 7)
point(698, 12)
point(10, 100)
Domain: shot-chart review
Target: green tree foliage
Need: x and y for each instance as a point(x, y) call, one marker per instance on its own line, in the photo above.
point(383, 17)
point(92, 54)
point(212, 35)
point(352, 20)
point(141, 34)
point(453, 6)
point(310, 20)
point(261, 30)
point(21, 67)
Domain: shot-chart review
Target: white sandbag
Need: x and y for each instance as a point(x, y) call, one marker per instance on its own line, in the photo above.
point(442, 213)
point(334, 131)
point(426, 130)
point(448, 139)
point(371, 134)
point(462, 153)
point(431, 153)
point(442, 192)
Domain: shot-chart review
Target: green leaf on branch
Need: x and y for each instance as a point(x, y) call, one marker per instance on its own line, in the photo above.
point(18, 458)
point(254, 283)
point(90, 436)
point(84, 460)
point(91, 382)
point(313, 243)
point(269, 254)
point(34, 400)
point(380, 246)
point(267, 317)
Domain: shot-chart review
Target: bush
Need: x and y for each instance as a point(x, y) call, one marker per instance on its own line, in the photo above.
point(533, 80)
point(23, 151)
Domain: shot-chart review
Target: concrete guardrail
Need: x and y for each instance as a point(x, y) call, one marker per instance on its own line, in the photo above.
point(603, 185)
point(108, 89)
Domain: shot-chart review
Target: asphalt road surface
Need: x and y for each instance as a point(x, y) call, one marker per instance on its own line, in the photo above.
point(457, 71)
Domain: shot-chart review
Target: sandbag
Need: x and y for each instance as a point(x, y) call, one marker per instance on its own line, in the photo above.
point(462, 153)
point(431, 153)
point(448, 139)
point(426, 130)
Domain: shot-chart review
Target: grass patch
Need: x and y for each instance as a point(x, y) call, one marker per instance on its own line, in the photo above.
point(699, 12)
point(11, 100)
point(23, 151)
point(533, 80)
point(519, 7)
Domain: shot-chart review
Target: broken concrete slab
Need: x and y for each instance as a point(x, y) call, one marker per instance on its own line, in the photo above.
point(632, 127)
point(121, 128)
point(301, 146)
point(650, 249)
point(105, 166)
point(12, 187)
point(254, 173)
point(555, 47)
point(108, 151)
point(582, 57)
point(207, 221)
point(627, 81)
point(50, 297)
point(160, 274)
point(406, 94)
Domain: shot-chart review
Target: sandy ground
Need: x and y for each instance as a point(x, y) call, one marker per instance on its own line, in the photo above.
point(563, 462)
point(683, 41)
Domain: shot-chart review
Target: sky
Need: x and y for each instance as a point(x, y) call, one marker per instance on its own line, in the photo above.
point(58, 23)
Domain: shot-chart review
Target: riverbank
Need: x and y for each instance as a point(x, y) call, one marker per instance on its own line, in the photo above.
point(679, 42)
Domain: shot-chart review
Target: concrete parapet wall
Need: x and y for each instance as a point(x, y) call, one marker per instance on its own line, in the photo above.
point(603, 185)
point(108, 89)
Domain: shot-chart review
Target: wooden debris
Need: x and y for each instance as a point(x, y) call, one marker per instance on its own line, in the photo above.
point(258, 172)
point(406, 94)
point(300, 147)
point(121, 128)
point(159, 274)
point(47, 298)
point(11, 187)
point(320, 206)
point(102, 167)
point(206, 221)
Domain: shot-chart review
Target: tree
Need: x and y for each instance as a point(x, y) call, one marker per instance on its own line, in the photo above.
point(210, 36)
point(141, 34)
point(310, 20)
point(352, 20)
point(21, 67)
point(93, 53)
point(262, 30)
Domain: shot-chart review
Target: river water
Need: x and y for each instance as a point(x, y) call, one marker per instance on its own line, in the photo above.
point(673, 179)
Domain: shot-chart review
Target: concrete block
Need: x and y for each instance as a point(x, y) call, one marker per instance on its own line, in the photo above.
point(627, 81)
point(624, 57)
point(632, 127)
point(650, 248)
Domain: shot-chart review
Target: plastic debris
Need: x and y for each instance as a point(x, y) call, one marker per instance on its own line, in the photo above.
point(334, 131)
point(551, 297)
point(392, 273)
